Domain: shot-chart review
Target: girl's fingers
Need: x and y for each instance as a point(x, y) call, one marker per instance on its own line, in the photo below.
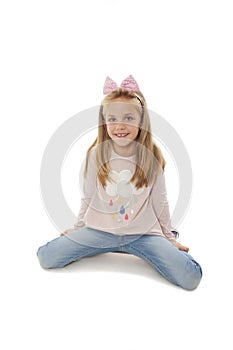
point(181, 247)
point(186, 249)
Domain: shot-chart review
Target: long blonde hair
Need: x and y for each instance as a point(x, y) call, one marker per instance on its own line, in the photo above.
point(149, 157)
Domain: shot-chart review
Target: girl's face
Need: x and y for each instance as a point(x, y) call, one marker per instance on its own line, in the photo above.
point(122, 121)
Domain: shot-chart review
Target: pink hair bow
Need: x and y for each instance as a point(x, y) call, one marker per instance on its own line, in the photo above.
point(129, 84)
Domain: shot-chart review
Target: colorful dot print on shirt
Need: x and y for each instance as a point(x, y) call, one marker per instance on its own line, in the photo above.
point(122, 210)
point(126, 194)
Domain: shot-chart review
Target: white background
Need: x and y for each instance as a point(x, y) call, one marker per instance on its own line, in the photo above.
point(55, 56)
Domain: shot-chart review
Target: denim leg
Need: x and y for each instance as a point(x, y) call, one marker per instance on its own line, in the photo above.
point(81, 243)
point(176, 266)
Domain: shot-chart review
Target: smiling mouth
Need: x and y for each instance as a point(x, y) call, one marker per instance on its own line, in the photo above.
point(120, 135)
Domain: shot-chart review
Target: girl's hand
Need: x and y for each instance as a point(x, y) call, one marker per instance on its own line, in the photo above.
point(180, 246)
point(69, 230)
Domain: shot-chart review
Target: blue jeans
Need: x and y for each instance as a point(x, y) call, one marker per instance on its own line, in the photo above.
point(176, 266)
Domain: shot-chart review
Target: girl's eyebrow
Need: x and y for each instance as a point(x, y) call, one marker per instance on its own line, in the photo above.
point(112, 115)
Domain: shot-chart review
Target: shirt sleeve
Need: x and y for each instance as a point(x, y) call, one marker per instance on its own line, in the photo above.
point(161, 206)
point(88, 188)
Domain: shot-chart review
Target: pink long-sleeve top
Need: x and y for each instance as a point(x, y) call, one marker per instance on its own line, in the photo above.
point(120, 208)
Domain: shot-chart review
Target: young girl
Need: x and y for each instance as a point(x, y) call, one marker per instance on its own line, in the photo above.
point(124, 206)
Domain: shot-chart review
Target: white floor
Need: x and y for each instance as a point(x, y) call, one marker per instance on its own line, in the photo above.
point(114, 301)
point(111, 301)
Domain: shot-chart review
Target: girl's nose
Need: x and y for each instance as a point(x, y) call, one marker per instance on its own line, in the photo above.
point(120, 126)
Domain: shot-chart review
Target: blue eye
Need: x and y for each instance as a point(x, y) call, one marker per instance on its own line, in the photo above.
point(129, 118)
point(112, 119)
